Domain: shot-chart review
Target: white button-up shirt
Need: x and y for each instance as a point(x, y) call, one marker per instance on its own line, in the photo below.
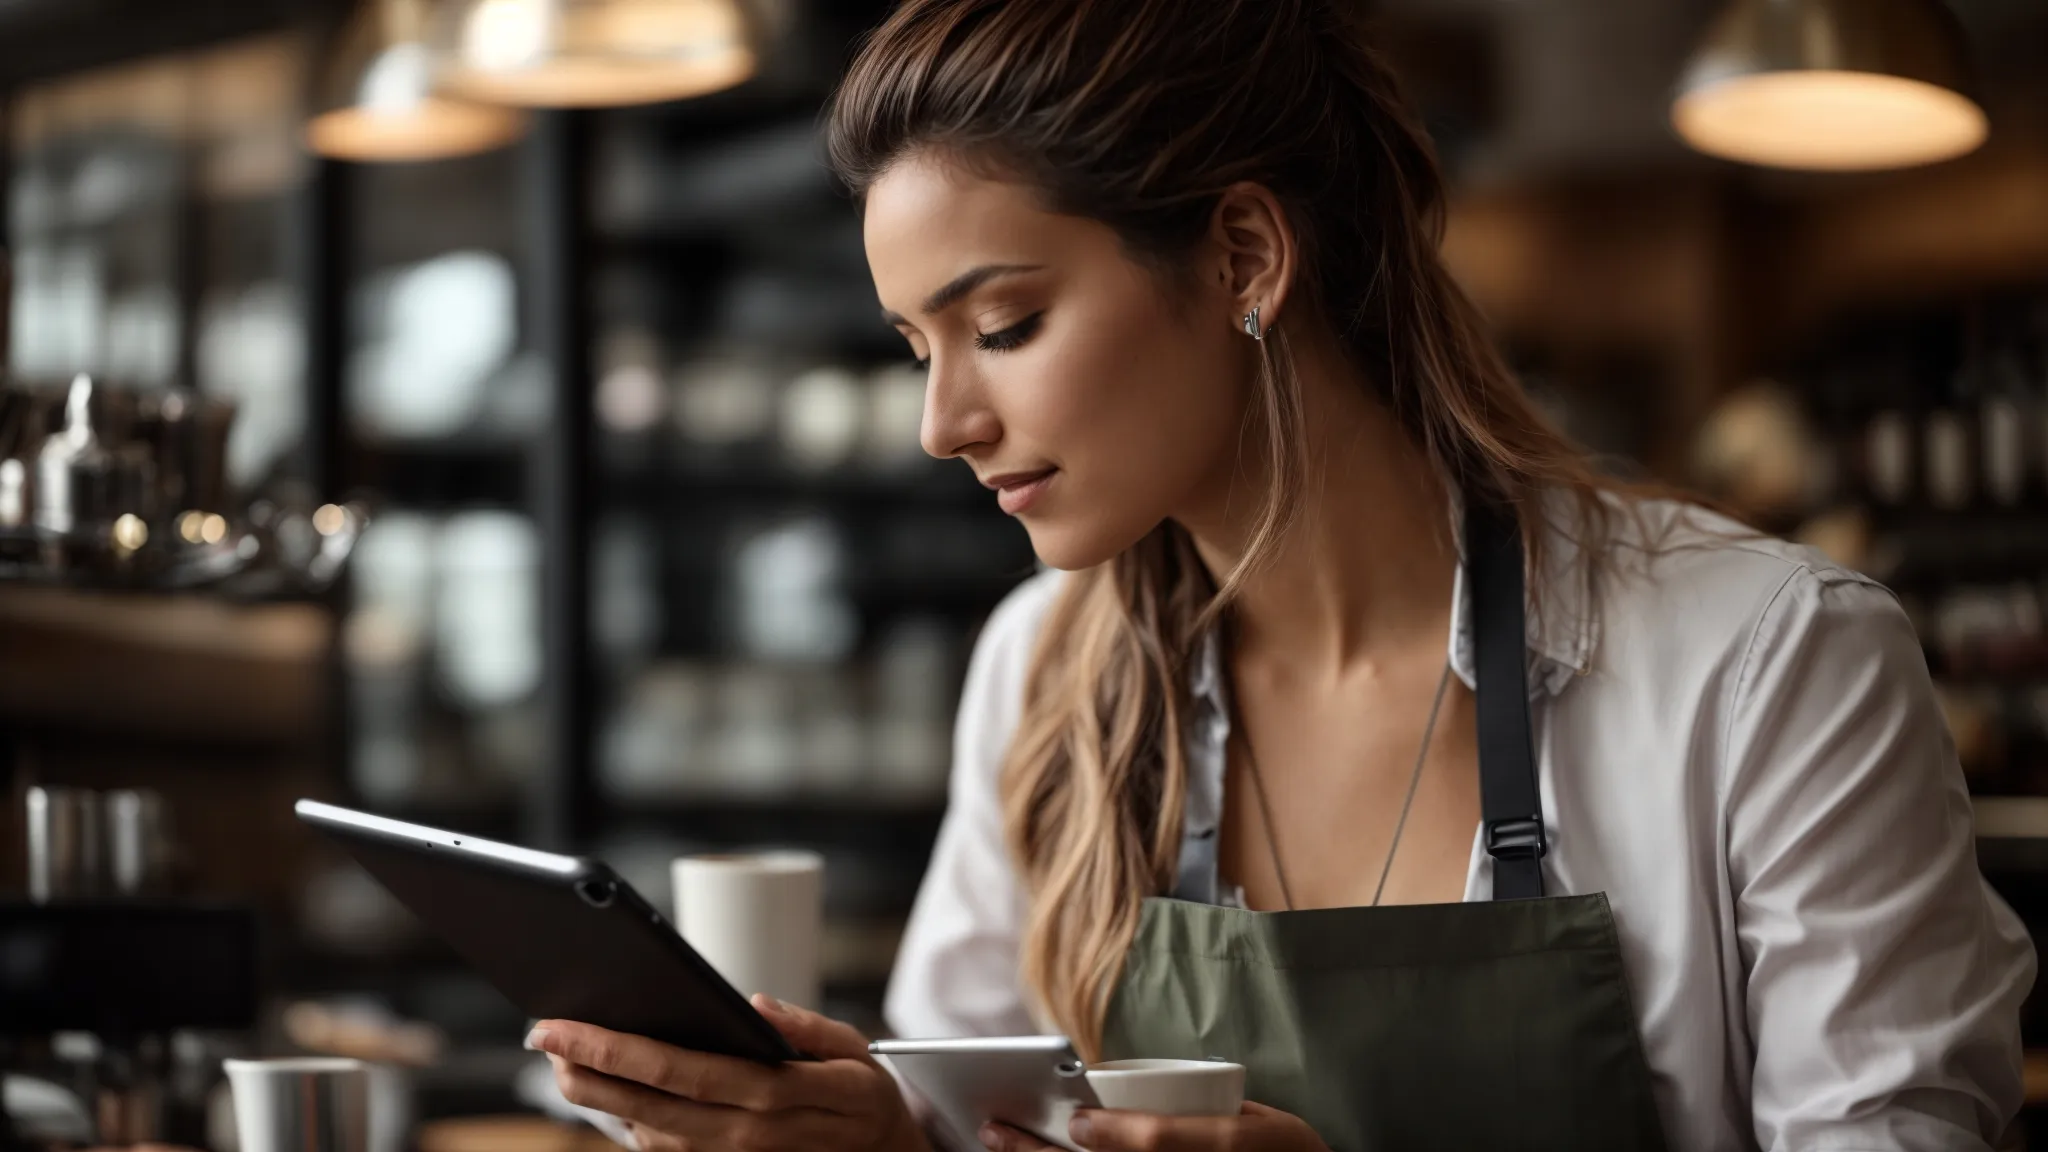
point(1738, 742)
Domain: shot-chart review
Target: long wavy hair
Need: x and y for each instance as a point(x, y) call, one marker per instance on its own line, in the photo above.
point(1139, 114)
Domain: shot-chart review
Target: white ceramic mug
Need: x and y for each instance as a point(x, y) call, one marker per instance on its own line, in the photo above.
point(1170, 1087)
point(757, 918)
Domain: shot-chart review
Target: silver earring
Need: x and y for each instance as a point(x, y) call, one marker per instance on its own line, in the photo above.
point(1251, 324)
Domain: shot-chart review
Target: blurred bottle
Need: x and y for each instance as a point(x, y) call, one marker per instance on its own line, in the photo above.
point(1887, 456)
point(821, 418)
point(1949, 478)
point(2008, 413)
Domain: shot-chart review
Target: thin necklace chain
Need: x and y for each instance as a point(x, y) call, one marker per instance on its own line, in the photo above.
point(1251, 761)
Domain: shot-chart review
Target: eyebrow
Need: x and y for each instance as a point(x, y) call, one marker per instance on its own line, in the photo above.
point(958, 287)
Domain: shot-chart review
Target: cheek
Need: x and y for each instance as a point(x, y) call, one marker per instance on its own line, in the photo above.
point(1141, 410)
point(1161, 402)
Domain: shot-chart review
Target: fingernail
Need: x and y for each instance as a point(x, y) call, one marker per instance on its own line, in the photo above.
point(991, 1138)
point(771, 1004)
point(535, 1038)
point(1081, 1129)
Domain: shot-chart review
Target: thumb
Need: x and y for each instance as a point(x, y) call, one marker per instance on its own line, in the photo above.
point(1262, 1111)
point(813, 1034)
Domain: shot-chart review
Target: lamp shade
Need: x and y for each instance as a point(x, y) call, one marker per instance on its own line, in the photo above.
point(592, 53)
point(1841, 85)
point(380, 98)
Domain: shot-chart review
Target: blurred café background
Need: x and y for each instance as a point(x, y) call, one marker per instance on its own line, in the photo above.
point(477, 411)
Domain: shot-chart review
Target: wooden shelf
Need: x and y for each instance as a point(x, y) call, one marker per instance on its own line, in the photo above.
point(2011, 817)
point(169, 666)
point(2035, 1070)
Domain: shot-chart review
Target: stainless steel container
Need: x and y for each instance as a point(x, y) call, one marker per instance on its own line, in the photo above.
point(84, 845)
point(136, 843)
point(301, 1105)
point(64, 852)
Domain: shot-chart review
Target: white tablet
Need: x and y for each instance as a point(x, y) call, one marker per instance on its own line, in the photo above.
point(1028, 1082)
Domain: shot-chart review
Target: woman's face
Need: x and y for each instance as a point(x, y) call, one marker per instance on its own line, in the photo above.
point(1093, 398)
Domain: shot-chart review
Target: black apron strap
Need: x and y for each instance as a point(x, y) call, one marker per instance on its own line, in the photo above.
point(1511, 804)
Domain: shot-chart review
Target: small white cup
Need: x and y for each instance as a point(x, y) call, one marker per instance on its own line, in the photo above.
point(1170, 1087)
point(758, 918)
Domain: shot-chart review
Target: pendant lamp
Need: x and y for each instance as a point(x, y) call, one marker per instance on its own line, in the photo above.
point(1833, 85)
point(380, 100)
point(592, 53)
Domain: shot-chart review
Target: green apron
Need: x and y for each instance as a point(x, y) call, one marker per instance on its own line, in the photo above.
point(1498, 1025)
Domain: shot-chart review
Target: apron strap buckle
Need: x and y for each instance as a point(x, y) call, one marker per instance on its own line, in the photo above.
point(1516, 839)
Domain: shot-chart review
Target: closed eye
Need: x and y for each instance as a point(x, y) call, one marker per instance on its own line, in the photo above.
point(1013, 336)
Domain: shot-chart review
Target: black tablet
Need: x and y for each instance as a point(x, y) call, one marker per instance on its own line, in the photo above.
point(563, 938)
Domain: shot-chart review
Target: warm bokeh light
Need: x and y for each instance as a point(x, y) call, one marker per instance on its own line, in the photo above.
point(395, 114)
point(130, 533)
point(1829, 120)
point(329, 519)
point(596, 53)
point(431, 130)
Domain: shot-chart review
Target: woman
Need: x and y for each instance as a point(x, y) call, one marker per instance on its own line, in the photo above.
point(1348, 655)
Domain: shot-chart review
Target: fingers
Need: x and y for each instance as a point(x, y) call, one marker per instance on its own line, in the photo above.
point(1003, 1138)
point(1104, 1130)
point(1252, 1108)
point(701, 1076)
point(814, 1034)
point(660, 1121)
point(648, 1140)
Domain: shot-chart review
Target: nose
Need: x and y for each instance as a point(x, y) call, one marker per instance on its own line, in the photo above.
point(957, 415)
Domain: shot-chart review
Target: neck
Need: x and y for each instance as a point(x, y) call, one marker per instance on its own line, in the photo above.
point(1366, 570)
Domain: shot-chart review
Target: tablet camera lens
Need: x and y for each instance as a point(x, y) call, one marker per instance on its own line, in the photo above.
point(1070, 1070)
point(596, 893)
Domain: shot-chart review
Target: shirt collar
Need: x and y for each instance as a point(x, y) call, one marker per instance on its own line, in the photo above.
point(1561, 633)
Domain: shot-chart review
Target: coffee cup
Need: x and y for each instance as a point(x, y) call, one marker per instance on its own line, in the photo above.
point(757, 918)
point(1170, 1087)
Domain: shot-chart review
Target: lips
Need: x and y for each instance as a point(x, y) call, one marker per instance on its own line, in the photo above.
point(1016, 492)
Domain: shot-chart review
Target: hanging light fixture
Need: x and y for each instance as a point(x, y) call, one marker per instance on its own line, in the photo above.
point(381, 101)
point(1838, 85)
point(592, 53)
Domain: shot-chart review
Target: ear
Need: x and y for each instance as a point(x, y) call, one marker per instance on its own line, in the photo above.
point(1256, 257)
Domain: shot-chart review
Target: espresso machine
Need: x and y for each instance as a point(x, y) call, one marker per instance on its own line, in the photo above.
point(118, 993)
point(111, 984)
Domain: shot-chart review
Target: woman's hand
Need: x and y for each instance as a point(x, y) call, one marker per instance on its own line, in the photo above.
point(1257, 1129)
point(695, 1102)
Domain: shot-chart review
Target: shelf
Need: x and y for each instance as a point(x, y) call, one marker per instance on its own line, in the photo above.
point(1938, 548)
point(2035, 1075)
point(174, 667)
point(867, 819)
point(2012, 833)
point(662, 486)
point(462, 470)
point(2011, 817)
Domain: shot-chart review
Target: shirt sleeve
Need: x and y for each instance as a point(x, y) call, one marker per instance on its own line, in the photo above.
point(1884, 977)
point(956, 970)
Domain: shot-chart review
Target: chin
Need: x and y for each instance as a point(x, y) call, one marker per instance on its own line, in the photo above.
point(1071, 544)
